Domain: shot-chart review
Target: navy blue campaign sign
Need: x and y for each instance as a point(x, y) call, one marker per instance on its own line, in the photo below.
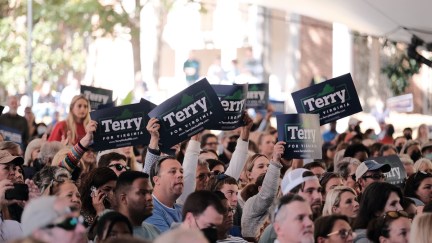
point(301, 132)
point(12, 134)
point(257, 96)
point(188, 113)
point(121, 126)
point(397, 174)
point(96, 96)
point(333, 99)
point(232, 99)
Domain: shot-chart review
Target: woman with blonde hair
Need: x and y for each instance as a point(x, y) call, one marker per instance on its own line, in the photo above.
point(420, 229)
point(423, 165)
point(341, 200)
point(422, 134)
point(73, 128)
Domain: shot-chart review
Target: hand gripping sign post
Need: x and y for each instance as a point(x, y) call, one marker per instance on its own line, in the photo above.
point(96, 96)
point(188, 113)
point(333, 99)
point(121, 126)
point(301, 132)
point(232, 99)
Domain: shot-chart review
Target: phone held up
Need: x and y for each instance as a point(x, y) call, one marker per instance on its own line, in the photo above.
point(19, 192)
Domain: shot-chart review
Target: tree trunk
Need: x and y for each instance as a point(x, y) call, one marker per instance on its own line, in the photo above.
point(136, 48)
point(159, 44)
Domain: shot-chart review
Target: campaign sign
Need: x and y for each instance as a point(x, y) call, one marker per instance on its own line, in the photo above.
point(121, 126)
point(301, 132)
point(333, 99)
point(96, 96)
point(232, 99)
point(402, 103)
point(257, 96)
point(397, 174)
point(11, 134)
point(188, 113)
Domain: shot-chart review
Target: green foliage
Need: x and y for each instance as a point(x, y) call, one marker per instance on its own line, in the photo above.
point(399, 70)
point(128, 99)
point(61, 33)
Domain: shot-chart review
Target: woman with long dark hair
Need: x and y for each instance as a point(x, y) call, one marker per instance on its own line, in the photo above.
point(97, 193)
point(377, 199)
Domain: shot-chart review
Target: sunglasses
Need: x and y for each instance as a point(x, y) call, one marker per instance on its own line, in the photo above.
point(68, 224)
point(217, 172)
point(374, 176)
point(396, 214)
point(119, 167)
point(343, 233)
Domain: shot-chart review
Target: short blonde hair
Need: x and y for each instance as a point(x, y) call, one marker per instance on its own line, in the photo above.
point(333, 198)
point(420, 228)
point(60, 156)
point(419, 163)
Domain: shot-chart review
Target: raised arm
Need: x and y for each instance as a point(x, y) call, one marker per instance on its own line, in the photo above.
point(70, 162)
point(239, 156)
point(190, 163)
point(153, 152)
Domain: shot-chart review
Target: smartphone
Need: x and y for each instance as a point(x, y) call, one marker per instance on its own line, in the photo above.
point(19, 192)
point(93, 191)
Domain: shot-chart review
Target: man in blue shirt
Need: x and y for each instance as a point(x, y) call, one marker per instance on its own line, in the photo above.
point(167, 175)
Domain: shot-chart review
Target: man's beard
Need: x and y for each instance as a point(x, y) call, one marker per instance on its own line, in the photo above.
point(316, 210)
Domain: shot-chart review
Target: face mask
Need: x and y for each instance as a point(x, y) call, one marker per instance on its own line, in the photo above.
point(37, 165)
point(408, 136)
point(415, 156)
point(399, 148)
point(41, 130)
point(231, 146)
point(210, 234)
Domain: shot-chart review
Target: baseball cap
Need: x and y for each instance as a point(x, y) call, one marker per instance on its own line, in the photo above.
point(39, 213)
point(425, 146)
point(370, 165)
point(6, 157)
point(294, 178)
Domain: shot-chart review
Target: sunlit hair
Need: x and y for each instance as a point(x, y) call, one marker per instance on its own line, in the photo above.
point(423, 161)
point(420, 228)
point(11, 147)
point(251, 161)
point(48, 175)
point(71, 119)
point(60, 156)
point(333, 198)
point(421, 137)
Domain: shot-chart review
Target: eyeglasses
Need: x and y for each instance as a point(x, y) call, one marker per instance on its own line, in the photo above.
point(119, 167)
point(374, 176)
point(68, 224)
point(203, 176)
point(343, 233)
point(396, 214)
point(217, 172)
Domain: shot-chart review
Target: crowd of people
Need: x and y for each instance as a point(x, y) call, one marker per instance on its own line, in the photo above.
point(230, 187)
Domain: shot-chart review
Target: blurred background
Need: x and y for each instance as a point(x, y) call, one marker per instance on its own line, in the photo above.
point(154, 48)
